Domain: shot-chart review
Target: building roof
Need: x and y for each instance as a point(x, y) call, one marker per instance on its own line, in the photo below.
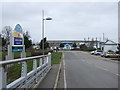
point(109, 42)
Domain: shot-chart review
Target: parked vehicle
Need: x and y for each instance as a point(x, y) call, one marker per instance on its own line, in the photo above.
point(93, 52)
point(111, 54)
point(103, 54)
point(98, 52)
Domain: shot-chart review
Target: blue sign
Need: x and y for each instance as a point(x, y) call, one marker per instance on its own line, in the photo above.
point(18, 28)
point(17, 50)
point(18, 41)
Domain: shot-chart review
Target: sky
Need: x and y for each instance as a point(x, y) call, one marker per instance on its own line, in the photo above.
point(70, 20)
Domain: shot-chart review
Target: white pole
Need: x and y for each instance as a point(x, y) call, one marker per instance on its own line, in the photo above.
point(43, 30)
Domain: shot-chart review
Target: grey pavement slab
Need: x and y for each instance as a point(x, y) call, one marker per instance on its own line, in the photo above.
point(61, 80)
point(49, 80)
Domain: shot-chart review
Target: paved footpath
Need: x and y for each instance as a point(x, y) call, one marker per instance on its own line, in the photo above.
point(49, 80)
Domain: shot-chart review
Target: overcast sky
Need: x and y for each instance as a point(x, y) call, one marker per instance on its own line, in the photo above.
point(71, 21)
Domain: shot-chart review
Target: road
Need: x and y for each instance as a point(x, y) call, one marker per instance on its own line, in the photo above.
point(82, 70)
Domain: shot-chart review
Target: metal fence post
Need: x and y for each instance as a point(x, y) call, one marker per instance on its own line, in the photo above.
point(24, 66)
point(35, 68)
point(46, 63)
point(24, 72)
point(45, 60)
point(3, 78)
point(40, 62)
point(49, 60)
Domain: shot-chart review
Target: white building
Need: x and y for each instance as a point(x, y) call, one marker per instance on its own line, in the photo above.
point(109, 45)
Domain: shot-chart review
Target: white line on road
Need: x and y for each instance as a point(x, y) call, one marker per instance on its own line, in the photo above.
point(65, 84)
point(101, 68)
point(107, 70)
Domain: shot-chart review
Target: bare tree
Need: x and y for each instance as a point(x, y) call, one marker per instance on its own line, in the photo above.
point(7, 30)
point(27, 34)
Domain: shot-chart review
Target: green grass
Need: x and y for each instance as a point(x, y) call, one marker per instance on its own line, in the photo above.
point(56, 58)
point(0, 56)
point(16, 55)
point(13, 72)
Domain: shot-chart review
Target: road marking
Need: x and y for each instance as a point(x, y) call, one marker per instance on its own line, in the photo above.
point(117, 74)
point(107, 70)
point(101, 68)
point(65, 84)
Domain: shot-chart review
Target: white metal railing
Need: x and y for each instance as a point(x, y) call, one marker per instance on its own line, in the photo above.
point(27, 79)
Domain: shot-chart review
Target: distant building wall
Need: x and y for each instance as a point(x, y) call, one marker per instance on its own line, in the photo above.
point(110, 47)
point(56, 43)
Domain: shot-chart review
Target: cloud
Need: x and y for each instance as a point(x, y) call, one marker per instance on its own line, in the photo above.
point(71, 20)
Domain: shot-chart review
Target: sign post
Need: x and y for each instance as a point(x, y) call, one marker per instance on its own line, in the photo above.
point(10, 53)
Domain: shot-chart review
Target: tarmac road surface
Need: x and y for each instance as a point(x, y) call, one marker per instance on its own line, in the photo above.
point(82, 70)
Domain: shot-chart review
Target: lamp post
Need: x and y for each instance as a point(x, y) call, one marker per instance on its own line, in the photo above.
point(43, 19)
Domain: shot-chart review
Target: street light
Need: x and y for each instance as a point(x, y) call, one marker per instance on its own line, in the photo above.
point(43, 19)
point(48, 18)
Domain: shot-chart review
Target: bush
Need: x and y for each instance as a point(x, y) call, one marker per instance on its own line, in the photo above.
point(40, 52)
point(83, 47)
point(90, 49)
point(110, 51)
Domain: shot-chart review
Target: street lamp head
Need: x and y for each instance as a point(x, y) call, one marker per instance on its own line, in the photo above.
point(48, 18)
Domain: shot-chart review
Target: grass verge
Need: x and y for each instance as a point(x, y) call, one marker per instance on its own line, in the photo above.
point(56, 58)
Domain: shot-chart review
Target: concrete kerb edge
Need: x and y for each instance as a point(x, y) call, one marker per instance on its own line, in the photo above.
point(35, 86)
point(58, 74)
